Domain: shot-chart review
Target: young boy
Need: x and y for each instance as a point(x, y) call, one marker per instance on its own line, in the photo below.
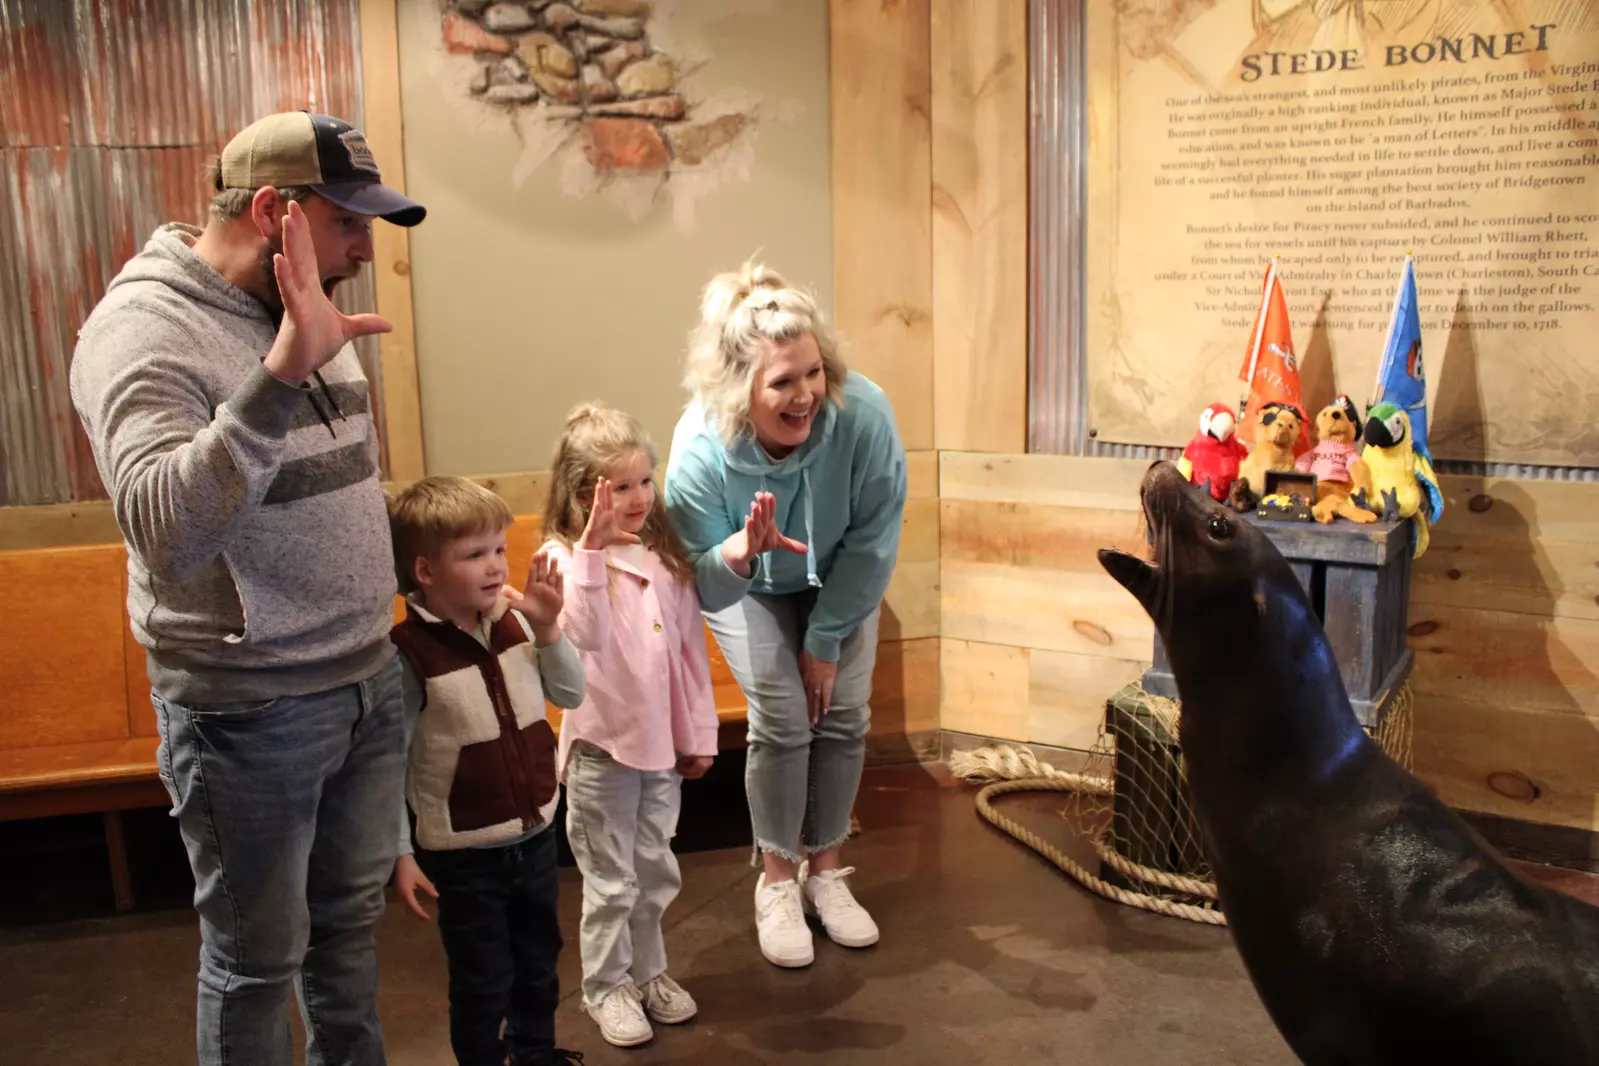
point(479, 661)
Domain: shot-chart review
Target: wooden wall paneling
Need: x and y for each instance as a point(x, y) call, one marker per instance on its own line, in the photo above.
point(1529, 547)
point(391, 266)
point(1028, 576)
point(1058, 610)
point(1067, 694)
point(984, 688)
point(1521, 661)
point(1028, 695)
point(1505, 628)
point(1544, 578)
point(911, 605)
point(1028, 535)
point(1527, 764)
point(980, 301)
point(910, 608)
point(1056, 480)
point(905, 701)
point(882, 213)
point(921, 474)
point(1021, 581)
point(1521, 509)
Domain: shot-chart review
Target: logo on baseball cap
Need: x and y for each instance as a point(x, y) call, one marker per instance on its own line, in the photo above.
point(323, 152)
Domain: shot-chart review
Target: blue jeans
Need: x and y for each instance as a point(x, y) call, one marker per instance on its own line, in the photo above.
point(801, 779)
point(502, 940)
point(287, 808)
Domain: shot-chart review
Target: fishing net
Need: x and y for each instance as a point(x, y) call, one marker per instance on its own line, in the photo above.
point(1127, 799)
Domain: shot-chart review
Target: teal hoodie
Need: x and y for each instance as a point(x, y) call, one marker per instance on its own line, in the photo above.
point(841, 493)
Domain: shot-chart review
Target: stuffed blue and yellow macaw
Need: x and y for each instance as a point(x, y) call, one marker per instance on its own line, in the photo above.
point(1402, 479)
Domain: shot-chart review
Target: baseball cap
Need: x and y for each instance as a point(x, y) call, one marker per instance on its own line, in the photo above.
point(326, 153)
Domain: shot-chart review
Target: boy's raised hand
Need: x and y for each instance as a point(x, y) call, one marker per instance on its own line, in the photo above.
point(408, 881)
point(601, 531)
point(542, 599)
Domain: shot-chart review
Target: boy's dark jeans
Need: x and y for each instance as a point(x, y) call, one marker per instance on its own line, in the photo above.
point(497, 919)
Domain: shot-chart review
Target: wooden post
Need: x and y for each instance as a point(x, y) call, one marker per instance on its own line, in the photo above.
point(380, 95)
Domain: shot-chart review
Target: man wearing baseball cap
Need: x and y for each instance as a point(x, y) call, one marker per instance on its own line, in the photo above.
point(233, 428)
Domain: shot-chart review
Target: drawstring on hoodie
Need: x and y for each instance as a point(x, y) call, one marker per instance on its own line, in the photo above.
point(810, 533)
point(327, 394)
point(763, 561)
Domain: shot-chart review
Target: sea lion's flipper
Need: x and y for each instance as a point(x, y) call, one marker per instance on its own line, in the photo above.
point(1132, 573)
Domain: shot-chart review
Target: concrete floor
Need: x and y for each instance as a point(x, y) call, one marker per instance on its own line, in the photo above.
point(988, 955)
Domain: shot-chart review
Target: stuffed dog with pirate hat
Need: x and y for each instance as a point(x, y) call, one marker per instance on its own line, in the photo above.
point(1336, 462)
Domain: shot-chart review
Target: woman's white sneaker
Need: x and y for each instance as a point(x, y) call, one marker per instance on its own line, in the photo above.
point(827, 896)
point(620, 1016)
point(780, 924)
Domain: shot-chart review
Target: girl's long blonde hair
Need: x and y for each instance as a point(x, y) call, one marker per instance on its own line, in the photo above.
point(742, 313)
point(596, 438)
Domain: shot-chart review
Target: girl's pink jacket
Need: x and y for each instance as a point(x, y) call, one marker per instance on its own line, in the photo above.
point(641, 637)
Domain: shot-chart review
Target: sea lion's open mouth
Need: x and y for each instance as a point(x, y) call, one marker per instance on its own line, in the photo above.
point(1140, 576)
point(1158, 495)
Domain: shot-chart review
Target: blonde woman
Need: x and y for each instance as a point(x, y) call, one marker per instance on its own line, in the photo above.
point(786, 483)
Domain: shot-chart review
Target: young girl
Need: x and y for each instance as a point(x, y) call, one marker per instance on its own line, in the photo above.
point(649, 719)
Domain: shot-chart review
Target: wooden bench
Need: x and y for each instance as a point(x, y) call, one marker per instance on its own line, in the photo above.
point(77, 731)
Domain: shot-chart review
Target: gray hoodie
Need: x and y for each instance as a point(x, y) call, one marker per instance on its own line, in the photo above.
point(259, 560)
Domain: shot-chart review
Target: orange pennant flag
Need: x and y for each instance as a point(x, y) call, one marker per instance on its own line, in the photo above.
point(1271, 368)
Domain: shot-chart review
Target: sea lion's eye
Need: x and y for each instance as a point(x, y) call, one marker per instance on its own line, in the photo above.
point(1221, 527)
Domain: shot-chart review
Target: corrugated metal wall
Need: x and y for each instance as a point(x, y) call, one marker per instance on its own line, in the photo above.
point(1057, 398)
point(109, 112)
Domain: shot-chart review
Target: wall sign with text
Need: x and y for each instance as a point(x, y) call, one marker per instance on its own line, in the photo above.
point(1339, 136)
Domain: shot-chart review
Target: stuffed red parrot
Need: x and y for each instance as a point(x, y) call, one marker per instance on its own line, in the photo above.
point(1214, 453)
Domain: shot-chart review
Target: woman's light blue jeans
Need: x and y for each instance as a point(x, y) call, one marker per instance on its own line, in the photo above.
point(801, 779)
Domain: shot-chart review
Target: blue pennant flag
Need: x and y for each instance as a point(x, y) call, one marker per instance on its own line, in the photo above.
point(1401, 378)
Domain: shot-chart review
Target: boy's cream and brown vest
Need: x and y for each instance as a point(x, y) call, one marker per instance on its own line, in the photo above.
point(482, 762)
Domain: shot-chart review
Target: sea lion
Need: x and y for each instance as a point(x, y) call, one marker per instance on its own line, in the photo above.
point(1376, 926)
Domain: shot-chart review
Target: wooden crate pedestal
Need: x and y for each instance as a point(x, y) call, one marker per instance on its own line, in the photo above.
point(1152, 821)
point(1358, 579)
